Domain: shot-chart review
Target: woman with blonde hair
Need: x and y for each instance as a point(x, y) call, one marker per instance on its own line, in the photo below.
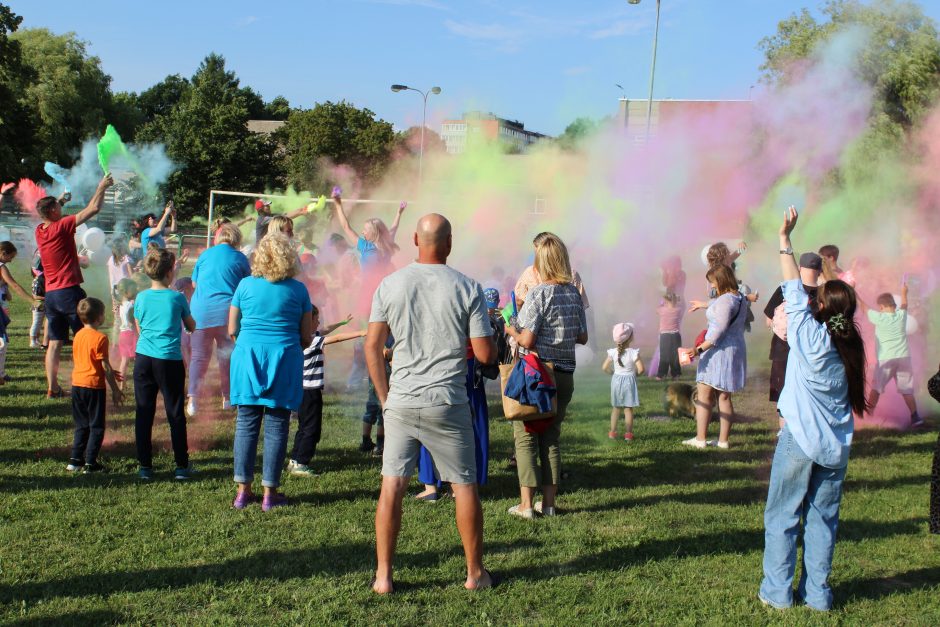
point(375, 247)
point(550, 323)
point(217, 273)
point(271, 324)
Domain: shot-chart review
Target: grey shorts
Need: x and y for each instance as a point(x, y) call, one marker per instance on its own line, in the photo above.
point(900, 370)
point(445, 430)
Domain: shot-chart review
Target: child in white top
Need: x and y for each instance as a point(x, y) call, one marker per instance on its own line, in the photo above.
point(119, 267)
point(625, 364)
point(127, 335)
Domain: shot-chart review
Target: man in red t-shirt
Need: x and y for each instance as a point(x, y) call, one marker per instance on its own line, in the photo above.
point(55, 238)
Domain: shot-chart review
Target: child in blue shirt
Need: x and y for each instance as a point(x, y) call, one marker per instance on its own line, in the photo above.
point(158, 364)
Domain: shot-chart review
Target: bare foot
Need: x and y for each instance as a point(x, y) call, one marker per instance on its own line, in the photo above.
point(382, 586)
point(484, 582)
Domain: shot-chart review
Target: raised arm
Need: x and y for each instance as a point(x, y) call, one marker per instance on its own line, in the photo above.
point(162, 223)
point(94, 205)
point(787, 261)
point(343, 220)
point(904, 295)
point(297, 213)
point(394, 228)
point(172, 228)
point(332, 327)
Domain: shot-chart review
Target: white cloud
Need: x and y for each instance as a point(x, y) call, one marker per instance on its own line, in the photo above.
point(246, 21)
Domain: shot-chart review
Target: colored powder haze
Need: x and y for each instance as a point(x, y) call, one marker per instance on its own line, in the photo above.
point(724, 175)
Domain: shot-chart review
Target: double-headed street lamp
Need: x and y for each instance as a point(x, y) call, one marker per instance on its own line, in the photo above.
point(424, 117)
point(649, 104)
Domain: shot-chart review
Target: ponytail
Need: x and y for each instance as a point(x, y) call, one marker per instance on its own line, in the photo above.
point(837, 313)
point(621, 349)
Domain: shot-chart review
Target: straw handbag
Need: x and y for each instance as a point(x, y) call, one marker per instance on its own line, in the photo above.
point(513, 409)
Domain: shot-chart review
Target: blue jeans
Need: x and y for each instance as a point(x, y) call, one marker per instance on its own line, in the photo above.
point(247, 428)
point(800, 490)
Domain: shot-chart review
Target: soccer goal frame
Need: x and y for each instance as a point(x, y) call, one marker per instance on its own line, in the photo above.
point(221, 192)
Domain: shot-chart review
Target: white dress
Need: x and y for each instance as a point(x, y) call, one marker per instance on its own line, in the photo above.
point(623, 390)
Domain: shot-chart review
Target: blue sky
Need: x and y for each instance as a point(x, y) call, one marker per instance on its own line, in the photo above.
point(541, 62)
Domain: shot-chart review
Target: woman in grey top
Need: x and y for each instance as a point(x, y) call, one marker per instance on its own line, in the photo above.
point(550, 323)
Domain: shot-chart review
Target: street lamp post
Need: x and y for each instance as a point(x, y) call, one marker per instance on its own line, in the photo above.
point(649, 103)
point(424, 117)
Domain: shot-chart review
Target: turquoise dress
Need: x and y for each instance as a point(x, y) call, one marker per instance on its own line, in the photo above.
point(267, 362)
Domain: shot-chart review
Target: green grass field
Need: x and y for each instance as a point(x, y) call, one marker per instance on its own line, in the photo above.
point(651, 532)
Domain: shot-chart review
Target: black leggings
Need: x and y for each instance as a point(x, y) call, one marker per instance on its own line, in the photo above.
point(669, 344)
point(167, 376)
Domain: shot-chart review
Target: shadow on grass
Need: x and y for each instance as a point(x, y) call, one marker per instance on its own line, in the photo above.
point(92, 617)
point(336, 560)
point(877, 587)
point(725, 542)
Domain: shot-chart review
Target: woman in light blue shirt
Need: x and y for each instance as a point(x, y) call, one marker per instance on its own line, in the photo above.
point(825, 386)
point(217, 273)
point(153, 229)
point(270, 317)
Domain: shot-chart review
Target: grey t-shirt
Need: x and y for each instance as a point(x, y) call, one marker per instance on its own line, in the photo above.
point(261, 226)
point(431, 310)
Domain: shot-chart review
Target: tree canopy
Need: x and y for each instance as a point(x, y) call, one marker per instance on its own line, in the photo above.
point(901, 58)
point(337, 132)
point(205, 131)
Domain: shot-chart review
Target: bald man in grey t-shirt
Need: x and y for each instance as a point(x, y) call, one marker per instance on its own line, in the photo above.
point(432, 311)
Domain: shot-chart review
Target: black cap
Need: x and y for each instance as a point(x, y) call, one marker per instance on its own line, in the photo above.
point(811, 261)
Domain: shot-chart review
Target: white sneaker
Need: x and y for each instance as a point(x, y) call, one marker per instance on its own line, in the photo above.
point(721, 444)
point(544, 511)
point(291, 464)
point(190, 406)
point(226, 406)
point(695, 442)
point(528, 514)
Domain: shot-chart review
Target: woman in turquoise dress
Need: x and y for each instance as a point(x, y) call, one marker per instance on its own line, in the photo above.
point(271, 323)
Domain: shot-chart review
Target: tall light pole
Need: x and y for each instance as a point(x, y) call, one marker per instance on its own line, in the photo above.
point(649, 104)
point(424, 117)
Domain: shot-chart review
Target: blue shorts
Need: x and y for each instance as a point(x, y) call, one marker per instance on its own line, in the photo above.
point(62, 311)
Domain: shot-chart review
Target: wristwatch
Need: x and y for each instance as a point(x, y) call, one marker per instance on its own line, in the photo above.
point(786, 251)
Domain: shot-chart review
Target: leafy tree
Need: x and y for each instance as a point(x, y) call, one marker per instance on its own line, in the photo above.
point(206, 133)
point(16, 125)
point(901, 60)
point(126, 115)
point(68, 94)
point(339, 132)
point(162, 97)
point(277, 109)
point(409, 141)
point(576, 132)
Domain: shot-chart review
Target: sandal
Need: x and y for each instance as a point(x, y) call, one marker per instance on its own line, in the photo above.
point(494, 581)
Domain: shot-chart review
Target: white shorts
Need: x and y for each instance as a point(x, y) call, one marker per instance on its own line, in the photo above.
point(900, 370)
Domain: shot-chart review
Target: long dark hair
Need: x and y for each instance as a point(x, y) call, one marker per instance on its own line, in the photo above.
point(837, 304)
